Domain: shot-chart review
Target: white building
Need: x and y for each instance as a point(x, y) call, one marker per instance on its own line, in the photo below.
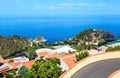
point(104, 48)
point(44, 50)
point(21, 59)
point(114, 44)
point(58, 49)
point(64, 49)
point(5, 67)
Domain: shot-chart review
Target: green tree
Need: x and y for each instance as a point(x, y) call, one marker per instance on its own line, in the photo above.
point(23, 71)
point(48, 68)
point(27, 75)
point(11, 73)
point(31, 53)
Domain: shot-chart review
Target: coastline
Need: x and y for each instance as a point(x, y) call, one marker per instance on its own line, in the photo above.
point(55, 28)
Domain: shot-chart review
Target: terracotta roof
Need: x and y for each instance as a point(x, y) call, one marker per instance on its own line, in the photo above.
point(53, 55)
point(69, 59)
point(1, 59)
point(29, 63)
point(14, 65)
point(49, 55)
point(4, 69)
point(42, 54)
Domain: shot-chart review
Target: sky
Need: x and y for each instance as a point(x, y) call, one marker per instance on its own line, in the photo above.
point(59, 7)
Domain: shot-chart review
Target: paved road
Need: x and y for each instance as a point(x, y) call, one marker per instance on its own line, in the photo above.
point(100, 69)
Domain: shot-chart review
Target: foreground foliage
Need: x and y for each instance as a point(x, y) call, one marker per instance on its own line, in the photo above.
point(43, 68)
point(23, 71)
point(82, 55)
point(113, 48)
point(46, 68)
point(10, 73)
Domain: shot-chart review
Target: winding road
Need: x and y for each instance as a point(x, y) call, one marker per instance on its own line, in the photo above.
point(100, 69)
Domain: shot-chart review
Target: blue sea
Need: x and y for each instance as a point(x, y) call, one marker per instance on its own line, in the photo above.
point(57, 28)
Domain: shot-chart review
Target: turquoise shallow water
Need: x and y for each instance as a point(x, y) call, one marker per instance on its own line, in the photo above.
point(56, 28)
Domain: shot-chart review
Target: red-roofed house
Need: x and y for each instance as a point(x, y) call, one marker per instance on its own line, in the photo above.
point(48, 55)
point(42, 54)
point(14, 65)
point(5, 67)
point(29, 64)
point(53, 55)
point(1, 59)
point(69, 59)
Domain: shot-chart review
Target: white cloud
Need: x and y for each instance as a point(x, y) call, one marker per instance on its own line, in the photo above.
point(67, 5)
point(80, 5)
point(72, 5)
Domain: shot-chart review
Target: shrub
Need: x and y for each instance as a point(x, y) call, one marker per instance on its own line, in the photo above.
point(82, 55)
point(23, 70)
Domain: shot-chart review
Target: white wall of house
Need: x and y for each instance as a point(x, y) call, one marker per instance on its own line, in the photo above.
point(64, 65)
point(21, 59)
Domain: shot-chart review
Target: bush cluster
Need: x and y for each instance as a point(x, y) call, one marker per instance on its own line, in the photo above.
point(82, 55)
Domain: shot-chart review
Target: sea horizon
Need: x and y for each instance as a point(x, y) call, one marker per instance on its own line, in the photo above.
point(57, 28)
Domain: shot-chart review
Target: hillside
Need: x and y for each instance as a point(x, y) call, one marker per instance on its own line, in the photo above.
point(91, 36)
point(11, 45)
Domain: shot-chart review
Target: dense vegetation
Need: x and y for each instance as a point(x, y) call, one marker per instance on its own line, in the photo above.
point(102, 43)
point(82, 55)
point(23, 72)
point(12, 45)
point(90, 39)
point(46, 68)
point(85, 35)
point(84, 47)
point(10, 73)
point(43, 68)
point(113, 48)
point(31, 52)
point(91, 36)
